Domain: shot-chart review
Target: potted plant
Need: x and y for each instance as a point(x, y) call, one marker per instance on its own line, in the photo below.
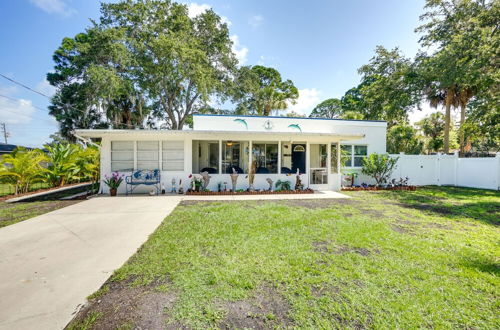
point(113, 182)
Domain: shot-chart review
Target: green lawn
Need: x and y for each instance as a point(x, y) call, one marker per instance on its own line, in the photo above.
point(11, 213)
point(428, 258)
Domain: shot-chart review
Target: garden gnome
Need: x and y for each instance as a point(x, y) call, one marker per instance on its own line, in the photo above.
point(206, 179)
point(234, 178)
point(174, 188)
point(298, 182)
point(270, 184)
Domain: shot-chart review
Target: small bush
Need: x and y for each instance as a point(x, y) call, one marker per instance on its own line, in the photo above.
point(379, 167)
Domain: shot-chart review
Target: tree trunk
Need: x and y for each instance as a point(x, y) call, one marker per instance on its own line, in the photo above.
point(462, 133)
point(447, 121)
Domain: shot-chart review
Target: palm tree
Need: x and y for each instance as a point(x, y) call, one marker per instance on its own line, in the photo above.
point(22, 168)
point(464, 96)
point(446, 97)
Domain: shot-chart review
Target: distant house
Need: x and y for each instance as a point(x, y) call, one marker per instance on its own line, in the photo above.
point(276, 147)
point(8, 148)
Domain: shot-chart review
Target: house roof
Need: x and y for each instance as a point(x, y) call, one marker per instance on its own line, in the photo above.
point(96, 133)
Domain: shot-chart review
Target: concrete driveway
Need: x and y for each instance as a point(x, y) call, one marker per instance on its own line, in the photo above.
point(51, 263)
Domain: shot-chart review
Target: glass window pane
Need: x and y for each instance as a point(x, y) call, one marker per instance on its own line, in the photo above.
point(360, 150)
point(173, 155)
point(318, 155)
point(122, 156)
point(122, 166)
point(265, 157)
point(286, 158)
point(358, 161)
point(235, 155)
point(206, 156)
point(346, 151)
point(147, 155)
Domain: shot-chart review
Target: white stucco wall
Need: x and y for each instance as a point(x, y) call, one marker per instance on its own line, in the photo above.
point(371, 134)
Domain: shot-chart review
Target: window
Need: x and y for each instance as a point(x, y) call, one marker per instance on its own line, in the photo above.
point(173, 155)
point(122, 156)
point(354, 155)
point(360, 153)
point(147, 155)
point(265, 157)
point(206, 156)
point(234, 155)
point(346, 151)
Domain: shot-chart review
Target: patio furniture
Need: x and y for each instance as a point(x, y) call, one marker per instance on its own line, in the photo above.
point(145, 177)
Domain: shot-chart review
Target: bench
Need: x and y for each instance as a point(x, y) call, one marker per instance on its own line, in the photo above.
point(145, 177)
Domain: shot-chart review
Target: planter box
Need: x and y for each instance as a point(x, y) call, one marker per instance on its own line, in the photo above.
point(407, 188)
point(265, 192)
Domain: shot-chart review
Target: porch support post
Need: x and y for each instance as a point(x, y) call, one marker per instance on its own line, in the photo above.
point(279, 157)
point(220, 156)
point(339, 170)
point(250, 155)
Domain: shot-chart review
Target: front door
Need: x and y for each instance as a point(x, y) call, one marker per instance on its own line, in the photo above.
point(298, 158)
point(318, 169)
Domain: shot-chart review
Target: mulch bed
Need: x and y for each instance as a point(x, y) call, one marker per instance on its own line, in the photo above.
point(264, 192)
point(407, 188)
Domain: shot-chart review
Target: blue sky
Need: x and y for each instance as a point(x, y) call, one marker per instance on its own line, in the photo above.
point(317, 44)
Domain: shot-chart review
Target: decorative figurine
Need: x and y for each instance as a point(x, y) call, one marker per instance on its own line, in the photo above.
point(174, 187)
point(206, 179)
point(270, 184)
point(234, 178)
point(298, 182)
point(251, 176)
point(162, 189)
point(181, 188)
point(225, 186)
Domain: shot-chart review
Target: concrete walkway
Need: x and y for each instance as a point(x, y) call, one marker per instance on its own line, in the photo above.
point(50, 264)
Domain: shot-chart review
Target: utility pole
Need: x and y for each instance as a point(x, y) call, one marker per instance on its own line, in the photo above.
point(5, 133)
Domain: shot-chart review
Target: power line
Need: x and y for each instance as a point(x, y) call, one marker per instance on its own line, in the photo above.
point(48, 97)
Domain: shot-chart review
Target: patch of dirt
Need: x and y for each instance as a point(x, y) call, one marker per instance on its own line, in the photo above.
point(142, 307)
point(314, 204)
point(266, 309)
point(437, 226)
point(402, 230)
point(327, 247)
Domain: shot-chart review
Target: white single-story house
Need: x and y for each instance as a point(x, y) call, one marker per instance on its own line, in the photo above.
point(280, 146)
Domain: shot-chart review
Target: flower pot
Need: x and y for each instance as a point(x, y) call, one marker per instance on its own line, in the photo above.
point(112, 192)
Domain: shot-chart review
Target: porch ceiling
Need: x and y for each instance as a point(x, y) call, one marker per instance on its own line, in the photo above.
point(207, 134)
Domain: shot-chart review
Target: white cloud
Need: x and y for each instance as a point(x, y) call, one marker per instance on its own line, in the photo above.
point(46, 88)
point(308, 99)
point(54, 7)
point(195, 9)
point(239, 50)
point(16, 111)
point(255, 21)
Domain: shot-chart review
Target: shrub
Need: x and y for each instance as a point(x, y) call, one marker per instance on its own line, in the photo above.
point(22, 168)
point(379, 167)
point(283, 185)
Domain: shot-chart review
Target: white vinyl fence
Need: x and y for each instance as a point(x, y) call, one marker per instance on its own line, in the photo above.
point(449, 170)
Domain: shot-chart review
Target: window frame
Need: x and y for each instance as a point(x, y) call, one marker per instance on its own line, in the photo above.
point(353, 156)
point(179, 160)
point(123, 151)
point(267, 158)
